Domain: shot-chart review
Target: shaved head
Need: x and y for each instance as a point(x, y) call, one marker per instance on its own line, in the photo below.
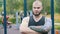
point(37, 2)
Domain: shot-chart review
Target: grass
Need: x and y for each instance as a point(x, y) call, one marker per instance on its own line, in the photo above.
point(57, 27)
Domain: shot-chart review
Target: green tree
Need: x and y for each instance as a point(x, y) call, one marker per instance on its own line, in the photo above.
point(57, 6)
point(1, 2)
point(13, 5)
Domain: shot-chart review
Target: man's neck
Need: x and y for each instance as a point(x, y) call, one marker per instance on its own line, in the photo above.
point(37, 18)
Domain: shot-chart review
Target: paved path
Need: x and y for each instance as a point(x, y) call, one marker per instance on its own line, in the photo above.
point(12, 30)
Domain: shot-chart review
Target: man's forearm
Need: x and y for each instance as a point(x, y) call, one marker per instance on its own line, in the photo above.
point(27, 30)
point(37, 28)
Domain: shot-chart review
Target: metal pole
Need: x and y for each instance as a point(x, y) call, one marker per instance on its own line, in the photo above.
point(16, 17)
point(5, 28)
point(25, 8)
point(52, 16)
point(17, 24)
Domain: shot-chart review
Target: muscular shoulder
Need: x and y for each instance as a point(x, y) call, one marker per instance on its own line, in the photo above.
point(25, 22)
point(47, 19)
point(25, 19)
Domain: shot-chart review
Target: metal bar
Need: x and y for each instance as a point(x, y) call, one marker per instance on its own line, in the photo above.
point(5, 28)
point(25, 8)
point(52, 16)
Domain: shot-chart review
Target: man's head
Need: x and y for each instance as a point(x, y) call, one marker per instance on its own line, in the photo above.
point(37, 7)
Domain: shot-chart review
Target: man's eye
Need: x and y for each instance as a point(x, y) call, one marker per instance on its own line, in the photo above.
point(38, 7)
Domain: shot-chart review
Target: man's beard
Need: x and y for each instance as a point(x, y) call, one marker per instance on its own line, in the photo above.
point(37, 14)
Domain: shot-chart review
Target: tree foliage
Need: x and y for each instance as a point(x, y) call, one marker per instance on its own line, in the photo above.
point(14, 5)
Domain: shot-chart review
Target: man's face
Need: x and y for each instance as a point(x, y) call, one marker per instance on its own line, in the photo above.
point(37, 7)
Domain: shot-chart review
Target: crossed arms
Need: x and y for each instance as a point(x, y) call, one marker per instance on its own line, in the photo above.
point(45, 28)
point(24, 29)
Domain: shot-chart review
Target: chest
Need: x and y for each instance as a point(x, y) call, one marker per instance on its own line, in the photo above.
point(32, 22)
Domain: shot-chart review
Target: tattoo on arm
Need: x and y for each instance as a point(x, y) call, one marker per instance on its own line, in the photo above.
point(37, 29)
